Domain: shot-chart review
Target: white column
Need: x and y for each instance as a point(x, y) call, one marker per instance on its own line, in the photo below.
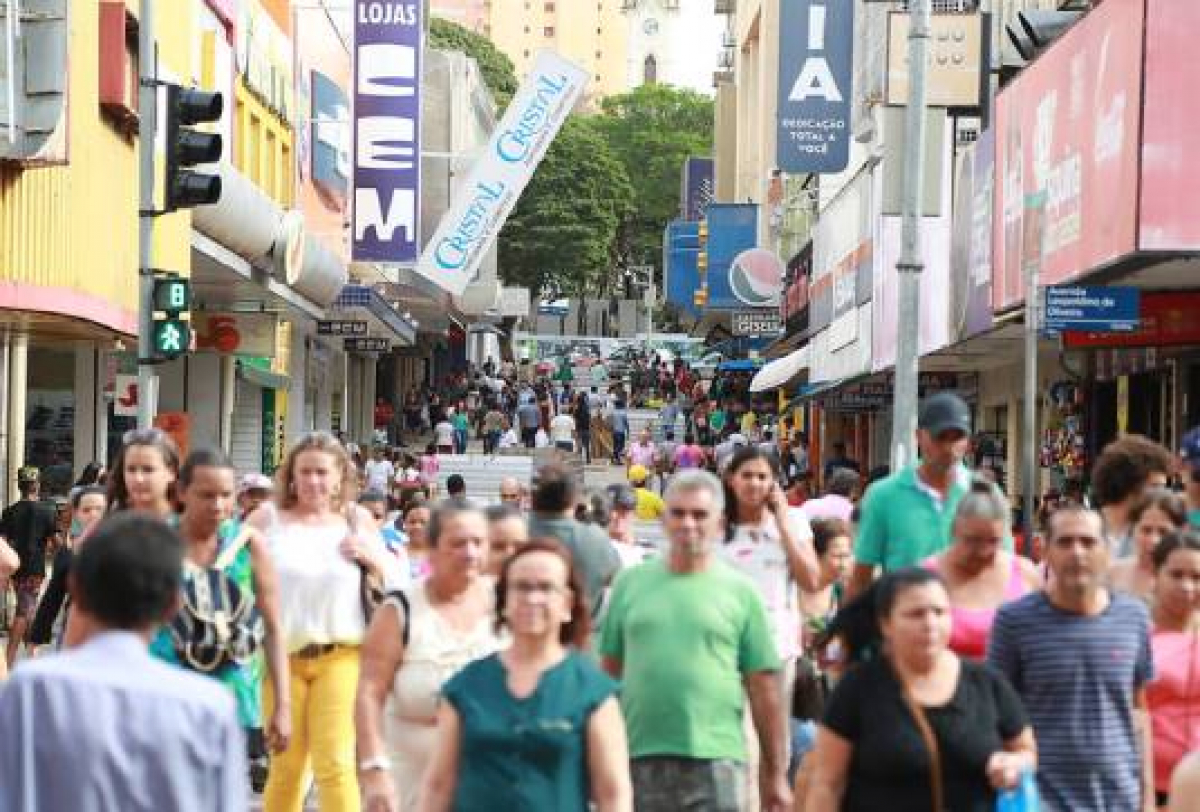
point(6, 493)
point(297, 388)
point(18, 381)
point(227, 391)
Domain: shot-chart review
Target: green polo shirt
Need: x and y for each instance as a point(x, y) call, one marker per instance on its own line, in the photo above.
point(902, 523)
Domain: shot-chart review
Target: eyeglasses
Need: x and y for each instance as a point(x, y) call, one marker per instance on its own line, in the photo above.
point(510, 497)
point(525, 589)
point(698, 515)
point(144, 436)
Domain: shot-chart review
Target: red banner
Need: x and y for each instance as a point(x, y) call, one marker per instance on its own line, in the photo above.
point(1171, 129)
point(1066, 153)
point(1168, 319)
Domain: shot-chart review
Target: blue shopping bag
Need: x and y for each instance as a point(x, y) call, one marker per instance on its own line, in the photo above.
point(1021, 798)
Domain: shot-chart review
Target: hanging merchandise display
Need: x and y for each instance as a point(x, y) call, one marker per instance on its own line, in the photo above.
point(1063, 448)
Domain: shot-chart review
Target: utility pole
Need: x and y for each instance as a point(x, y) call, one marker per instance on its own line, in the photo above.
point(1031, 251)
point(147, 122)
point(911, 264)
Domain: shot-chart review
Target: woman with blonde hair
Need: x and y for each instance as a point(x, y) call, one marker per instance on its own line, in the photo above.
point(324, 548)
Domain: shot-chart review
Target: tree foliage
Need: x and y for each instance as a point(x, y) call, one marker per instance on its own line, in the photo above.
point(559, 240)
point(652, 131)
point(497, 69)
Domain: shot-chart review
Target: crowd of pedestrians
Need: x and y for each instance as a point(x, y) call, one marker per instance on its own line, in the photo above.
point(345, 631)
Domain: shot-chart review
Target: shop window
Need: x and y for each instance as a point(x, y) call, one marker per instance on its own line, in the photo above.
point(548, 31)
point(50, 418)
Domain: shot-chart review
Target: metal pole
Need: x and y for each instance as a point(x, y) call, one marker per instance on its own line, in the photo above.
point(1029, 444)
point(147, 122)
point(910, 266)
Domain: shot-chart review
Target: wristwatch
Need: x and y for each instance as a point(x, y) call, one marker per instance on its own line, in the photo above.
point(375, 764)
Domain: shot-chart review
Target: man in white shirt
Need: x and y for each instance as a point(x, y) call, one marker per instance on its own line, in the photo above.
point(562, 432)
point(104, 725)
point(443, 435)
point(380, 472)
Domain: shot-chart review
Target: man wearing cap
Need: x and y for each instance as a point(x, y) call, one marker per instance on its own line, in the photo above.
point(27, 525)
point(253, 490)
point(1189, 454)
point(650, 505)
point(906, 517)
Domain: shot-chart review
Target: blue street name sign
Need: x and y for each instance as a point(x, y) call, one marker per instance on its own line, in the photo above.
point(1094, 309)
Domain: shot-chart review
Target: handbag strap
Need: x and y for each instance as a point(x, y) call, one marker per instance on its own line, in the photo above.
point(226, 556)
point(931, 745)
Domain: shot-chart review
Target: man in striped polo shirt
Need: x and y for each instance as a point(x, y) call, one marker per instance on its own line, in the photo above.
point(1080, 658)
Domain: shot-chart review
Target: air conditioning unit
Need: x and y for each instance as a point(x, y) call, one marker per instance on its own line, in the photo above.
point(725, 6)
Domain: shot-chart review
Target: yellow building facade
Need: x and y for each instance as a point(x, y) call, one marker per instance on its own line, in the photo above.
point(69, 250)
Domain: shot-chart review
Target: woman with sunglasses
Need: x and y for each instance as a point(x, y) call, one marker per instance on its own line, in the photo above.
point(144, 474)
point(540, 709)
point(324, 548)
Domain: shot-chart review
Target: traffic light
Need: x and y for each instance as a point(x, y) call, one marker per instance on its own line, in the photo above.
point(187, 147)
point(1034, 30)
point(171, 334)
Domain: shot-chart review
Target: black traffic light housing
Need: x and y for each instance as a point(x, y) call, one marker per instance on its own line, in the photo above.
point(187, 147)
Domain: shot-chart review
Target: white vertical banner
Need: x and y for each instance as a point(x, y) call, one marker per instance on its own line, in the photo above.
point(496, 180)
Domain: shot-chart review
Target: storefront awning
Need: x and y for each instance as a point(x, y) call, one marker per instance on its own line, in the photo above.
point(781, 371)
point(384, 321)
point(260, 377)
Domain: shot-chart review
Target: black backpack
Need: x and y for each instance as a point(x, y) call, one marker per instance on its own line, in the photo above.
point(219, 623)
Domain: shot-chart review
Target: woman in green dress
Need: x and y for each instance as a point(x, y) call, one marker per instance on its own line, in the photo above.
point(536, 727)
point(207, 496)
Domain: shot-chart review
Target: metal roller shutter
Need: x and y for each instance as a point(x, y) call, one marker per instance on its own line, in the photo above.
point(246, 443)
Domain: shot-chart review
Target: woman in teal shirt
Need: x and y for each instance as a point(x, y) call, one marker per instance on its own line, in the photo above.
point(536, 727)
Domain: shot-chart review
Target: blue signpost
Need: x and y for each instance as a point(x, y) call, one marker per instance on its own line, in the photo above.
point(1095, 309)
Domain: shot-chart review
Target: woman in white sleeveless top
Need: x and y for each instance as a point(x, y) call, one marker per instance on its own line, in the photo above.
point(412, 647)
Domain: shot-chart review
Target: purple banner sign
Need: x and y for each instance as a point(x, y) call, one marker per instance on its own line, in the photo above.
point(388, 42)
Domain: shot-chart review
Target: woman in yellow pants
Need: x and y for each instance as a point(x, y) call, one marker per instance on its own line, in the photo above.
point(321, 543)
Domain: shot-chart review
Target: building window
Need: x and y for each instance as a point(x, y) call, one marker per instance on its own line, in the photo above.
point(549, 7)
point(598, 55)
point(527, 54)
point(650, 70)
point(548, 31)
point(526, 29)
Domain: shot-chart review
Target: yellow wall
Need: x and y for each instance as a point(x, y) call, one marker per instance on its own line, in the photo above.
point(263, 146)
point(581, 29)
point(68, 234)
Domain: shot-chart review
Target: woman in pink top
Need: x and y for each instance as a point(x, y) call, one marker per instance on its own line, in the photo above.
point(1173, 696)
point(689, 455)
point(978, 574)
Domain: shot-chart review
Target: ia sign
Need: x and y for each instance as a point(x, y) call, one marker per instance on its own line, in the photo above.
point(816, 64)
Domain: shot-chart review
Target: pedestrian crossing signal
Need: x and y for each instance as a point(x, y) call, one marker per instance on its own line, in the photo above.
point(172, 338)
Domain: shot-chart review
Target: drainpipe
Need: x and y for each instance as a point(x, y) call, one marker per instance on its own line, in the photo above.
point(18, 357)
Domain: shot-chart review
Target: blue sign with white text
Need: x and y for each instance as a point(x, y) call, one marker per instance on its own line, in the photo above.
point(816, 66)
point(1095, 309)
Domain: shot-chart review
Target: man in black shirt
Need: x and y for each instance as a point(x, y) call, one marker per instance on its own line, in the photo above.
point(28, 525)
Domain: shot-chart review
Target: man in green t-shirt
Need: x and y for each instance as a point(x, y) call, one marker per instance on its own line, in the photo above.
point(907, 517)
point(688, 637)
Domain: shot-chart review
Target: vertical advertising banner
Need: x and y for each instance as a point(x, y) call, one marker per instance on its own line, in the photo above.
point(1066, 131)
point(388, 40)
point(816, 66)
point(971, 240)
point(698, 188)
point(483, 201)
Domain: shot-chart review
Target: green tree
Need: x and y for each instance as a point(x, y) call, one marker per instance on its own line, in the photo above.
point(652, 130)
point(560, 239)
point(497, 69)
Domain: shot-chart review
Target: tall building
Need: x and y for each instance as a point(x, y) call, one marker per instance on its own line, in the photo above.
point(471, 14)
point(672, 42)
point(591, 33)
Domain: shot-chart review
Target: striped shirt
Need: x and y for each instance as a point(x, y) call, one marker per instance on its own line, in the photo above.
point(1077, 675)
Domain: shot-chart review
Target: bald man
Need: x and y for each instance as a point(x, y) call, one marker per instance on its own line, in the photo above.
point(511, 493)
